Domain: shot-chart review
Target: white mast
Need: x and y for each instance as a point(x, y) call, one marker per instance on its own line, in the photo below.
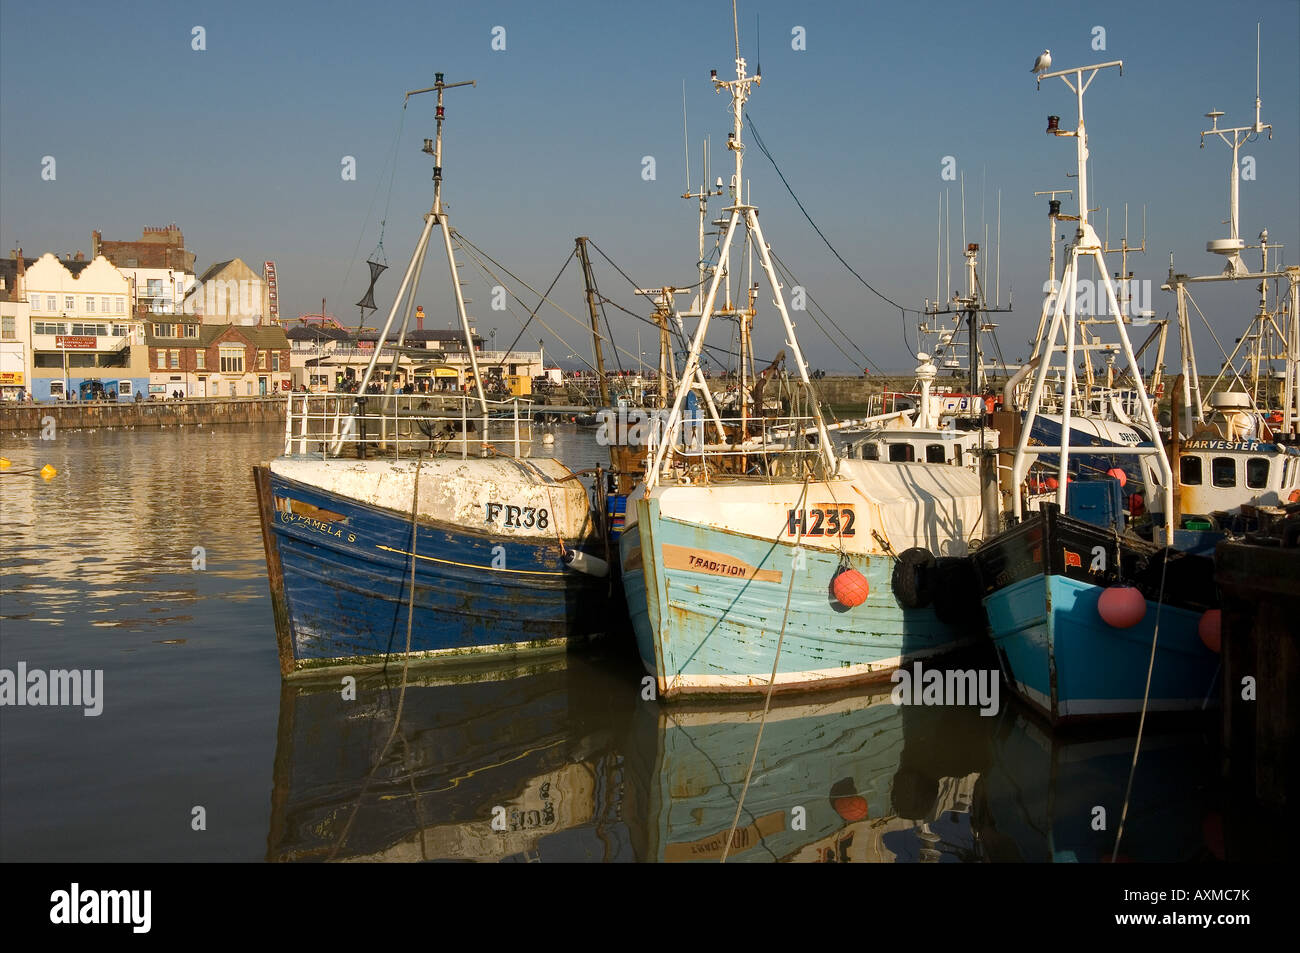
point(1064, 324)
point(741, 215)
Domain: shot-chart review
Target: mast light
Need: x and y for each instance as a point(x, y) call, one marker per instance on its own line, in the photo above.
point(1053, 124)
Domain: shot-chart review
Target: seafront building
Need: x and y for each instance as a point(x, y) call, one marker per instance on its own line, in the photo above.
point(135, 321)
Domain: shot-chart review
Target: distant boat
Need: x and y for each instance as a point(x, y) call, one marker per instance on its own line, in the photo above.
point(496, 556)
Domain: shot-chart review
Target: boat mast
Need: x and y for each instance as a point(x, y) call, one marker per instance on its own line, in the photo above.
point(746, 215)
point(1065, 322)
point(595, 322)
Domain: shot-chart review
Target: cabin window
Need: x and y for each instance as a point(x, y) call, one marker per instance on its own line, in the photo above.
point(934, 453)
point(1257, 472)
point(1223, 471)
point(1189, 470)
point(901, 453)
point(870, 451)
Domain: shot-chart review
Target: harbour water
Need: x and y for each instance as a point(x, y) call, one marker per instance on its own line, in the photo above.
point(142, 558)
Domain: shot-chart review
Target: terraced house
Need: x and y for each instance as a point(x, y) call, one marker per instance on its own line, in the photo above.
point(198, 359)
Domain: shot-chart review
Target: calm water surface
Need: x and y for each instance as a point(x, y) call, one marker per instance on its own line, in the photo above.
point(556, 760)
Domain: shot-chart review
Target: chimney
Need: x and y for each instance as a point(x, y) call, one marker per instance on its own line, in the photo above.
point(80, 255)
point(419, 317)
point(96, 238)
point(22, 267)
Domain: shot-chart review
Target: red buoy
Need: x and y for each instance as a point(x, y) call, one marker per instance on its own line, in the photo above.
point(1210, 629)
point(1115, 473)
point(852, 808)
point(1136, 504)
point(1122, 607)
point(850, 587)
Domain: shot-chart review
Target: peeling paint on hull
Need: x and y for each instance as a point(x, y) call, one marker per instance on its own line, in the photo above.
point(344, 585)
point(707, 634)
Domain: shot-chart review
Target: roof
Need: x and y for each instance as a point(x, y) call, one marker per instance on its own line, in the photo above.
point(267, 337)
point(316, 332)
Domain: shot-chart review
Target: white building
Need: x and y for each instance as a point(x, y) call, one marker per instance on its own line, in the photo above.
point(82, 330)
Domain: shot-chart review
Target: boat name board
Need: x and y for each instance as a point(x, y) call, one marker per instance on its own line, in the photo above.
point(1246, 446)
point(715, 564)
point(320, 526)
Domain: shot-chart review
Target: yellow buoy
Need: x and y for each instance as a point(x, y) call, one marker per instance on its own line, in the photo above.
point(4, 463)
point(48, 472)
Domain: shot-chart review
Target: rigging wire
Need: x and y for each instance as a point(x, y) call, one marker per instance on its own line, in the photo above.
point(758, 141)
point(395, 152)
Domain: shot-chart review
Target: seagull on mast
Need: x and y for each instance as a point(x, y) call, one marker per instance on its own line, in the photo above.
point(1043, 63)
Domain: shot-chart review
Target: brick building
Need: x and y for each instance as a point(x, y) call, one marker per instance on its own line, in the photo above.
point(216, 360)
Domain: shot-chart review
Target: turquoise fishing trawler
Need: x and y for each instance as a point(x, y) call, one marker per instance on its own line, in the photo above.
point(753, 558)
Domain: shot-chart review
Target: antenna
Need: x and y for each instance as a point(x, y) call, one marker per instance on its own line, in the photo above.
point(998, 296)
point(686, 140)
point(758, 46)
point(735, 25)
point(963, 208)
point(938, 251)
point(947, 241)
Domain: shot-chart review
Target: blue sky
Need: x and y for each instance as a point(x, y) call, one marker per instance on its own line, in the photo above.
point(241, 144)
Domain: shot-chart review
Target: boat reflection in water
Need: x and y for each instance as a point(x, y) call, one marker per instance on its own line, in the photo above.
point(843, 778)
point(530, 747)
point(1042, 797)
point(574, 765)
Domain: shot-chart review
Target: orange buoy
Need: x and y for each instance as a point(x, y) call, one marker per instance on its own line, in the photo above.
point(1122, 607)
point(1052, 483)
point(852, 808)
point(1210, 629)
point(1115, 473)
point(850, 587)
point(1294, 497)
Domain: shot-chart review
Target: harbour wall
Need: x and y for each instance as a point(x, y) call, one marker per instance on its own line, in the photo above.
point(171, 413)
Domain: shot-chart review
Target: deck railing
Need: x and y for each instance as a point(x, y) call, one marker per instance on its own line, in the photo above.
point(397, 425)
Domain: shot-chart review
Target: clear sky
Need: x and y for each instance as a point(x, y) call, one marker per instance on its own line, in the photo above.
point(242, 144)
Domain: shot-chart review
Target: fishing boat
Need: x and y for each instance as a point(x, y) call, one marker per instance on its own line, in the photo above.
point(1235, 446)
point(754, 559)
point(417, 526)
point(1081, 611)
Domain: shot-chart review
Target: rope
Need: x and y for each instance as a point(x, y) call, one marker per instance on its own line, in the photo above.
point(406, 661)
point(1146, 695)
point(771, 686)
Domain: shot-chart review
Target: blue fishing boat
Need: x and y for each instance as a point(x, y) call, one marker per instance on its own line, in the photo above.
point(403, 524)
point(1042, 583)
point(1080, 608)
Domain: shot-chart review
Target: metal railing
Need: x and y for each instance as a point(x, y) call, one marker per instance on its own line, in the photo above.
point(764, 447)
point(398, 425)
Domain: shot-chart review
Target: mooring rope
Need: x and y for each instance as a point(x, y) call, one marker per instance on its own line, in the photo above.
point(1146, 696)
point(406, 662)
point(771, 685)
